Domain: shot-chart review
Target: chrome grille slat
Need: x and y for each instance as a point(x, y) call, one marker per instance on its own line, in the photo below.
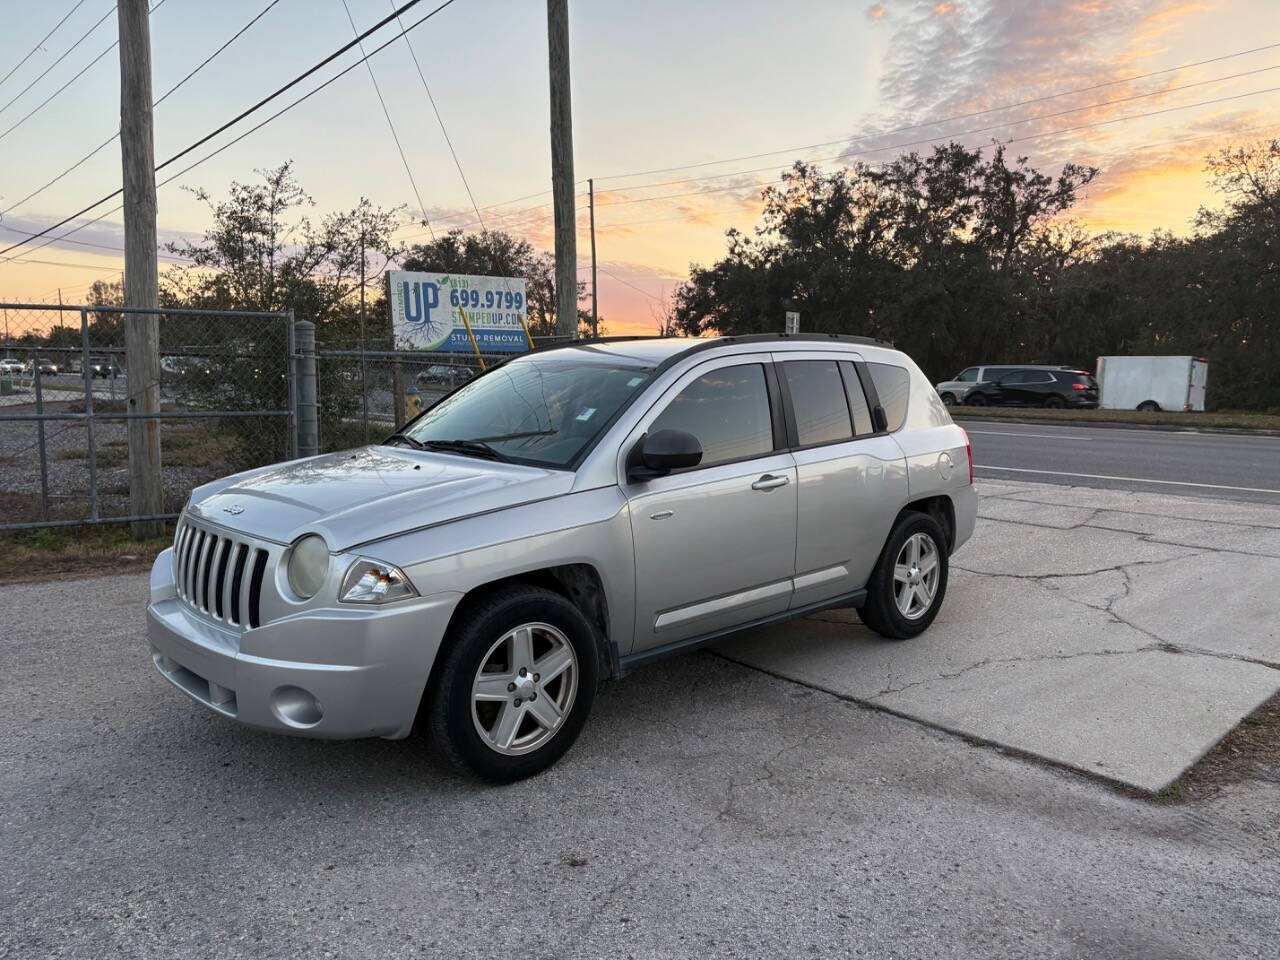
point(219, 574)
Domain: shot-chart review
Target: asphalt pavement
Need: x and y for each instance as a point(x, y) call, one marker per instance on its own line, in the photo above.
point(1183, 462)
point(709, 810)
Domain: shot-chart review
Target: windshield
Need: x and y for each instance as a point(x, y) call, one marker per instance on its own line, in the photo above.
point(543, 410)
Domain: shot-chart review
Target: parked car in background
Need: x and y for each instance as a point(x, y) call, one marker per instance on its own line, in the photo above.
point(11, 366)
point(954, 391)
point(448, 375)
point(564, 518)
point(46, 366)
point(103, 367)
point(1035, 386)
point(1152, 383)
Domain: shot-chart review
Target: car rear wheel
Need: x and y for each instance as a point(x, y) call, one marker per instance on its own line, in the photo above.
point(515, 684)
point(1148, 406)
point(1054, 402)
point(910, 579)
point(976, 400)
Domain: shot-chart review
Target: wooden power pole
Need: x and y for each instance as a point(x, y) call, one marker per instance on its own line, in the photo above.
point(595, 301)
point(562, 169)
point(141, 276)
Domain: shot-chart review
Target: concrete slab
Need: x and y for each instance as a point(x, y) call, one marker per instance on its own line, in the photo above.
point(1161, 505)
point(1221, 602)
point(1108, 650)
point(1016, 549)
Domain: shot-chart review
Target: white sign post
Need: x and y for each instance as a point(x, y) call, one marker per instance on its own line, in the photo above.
point(458, 313)
point(793, 321)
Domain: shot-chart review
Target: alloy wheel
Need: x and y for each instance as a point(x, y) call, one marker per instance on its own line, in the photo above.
point(524, 688)
point(915, 576)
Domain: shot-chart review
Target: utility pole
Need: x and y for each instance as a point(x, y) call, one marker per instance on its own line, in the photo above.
point(141, 277)
point(562, 169)
point(595, 313)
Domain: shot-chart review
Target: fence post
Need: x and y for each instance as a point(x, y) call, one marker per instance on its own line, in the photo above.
point(307, 442)
point(87, 372)
point(291, 368)
point(44, 458)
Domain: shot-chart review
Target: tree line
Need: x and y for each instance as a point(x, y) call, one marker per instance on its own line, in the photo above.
point(960, 258)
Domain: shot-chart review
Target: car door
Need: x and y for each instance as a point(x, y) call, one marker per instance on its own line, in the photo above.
point(715, 544)
point(850, 478)
point(1013, 389)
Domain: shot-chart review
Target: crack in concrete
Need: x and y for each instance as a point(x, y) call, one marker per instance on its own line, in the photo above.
point(1082, 573)
point(1018, 498)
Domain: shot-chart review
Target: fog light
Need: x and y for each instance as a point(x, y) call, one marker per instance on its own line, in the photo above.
point(295, 707)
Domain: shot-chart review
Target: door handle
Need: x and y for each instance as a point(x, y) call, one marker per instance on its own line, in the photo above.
point(769, 481)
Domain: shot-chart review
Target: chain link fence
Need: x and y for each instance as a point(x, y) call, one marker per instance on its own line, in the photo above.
point(366, 393)
point(226, 404)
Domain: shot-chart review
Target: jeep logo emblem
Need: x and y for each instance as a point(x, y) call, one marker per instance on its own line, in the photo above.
point(233, 509)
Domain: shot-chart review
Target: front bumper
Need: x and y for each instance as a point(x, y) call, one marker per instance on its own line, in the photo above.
point(336, 673)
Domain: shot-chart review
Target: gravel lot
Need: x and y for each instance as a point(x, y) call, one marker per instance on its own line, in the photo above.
point(709, 810)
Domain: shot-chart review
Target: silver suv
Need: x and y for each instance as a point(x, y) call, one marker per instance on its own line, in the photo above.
point(563, 518)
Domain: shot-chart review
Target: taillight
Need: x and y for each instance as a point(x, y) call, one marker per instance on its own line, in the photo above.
point(1079, 386)
point(968, 451)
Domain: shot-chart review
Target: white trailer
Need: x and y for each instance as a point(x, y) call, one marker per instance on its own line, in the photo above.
point(1152, 383)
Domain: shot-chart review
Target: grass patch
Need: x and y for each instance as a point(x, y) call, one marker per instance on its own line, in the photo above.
point(1250, 751)
point(1228, 419)
point(30, 556)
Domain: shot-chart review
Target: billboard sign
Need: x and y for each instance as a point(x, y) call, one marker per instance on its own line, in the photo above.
point(427, 311)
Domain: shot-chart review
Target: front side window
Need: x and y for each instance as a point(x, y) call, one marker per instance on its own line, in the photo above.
point(818, 399)
point(968, 376)
point(893, 387)
point(543, 410)
point(727, 410)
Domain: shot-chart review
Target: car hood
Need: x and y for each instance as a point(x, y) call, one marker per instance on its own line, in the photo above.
point(368, 494)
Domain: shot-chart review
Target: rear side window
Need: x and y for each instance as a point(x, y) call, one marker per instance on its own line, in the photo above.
point(993, 374)
point(893, 386)
point(818, 399)
point(857, 400)
point(727, 410)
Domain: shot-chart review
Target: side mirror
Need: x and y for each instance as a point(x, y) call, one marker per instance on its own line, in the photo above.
point(879, 421)
point(657, 454)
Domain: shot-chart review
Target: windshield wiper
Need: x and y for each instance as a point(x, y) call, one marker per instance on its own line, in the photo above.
point(471, 448)
point(515, 436)
point(416, 444)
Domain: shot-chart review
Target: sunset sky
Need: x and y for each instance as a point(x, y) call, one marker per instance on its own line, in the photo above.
point(682, 112)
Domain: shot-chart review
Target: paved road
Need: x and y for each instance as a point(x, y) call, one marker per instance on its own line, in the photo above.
point(1228, 466)
point(710, 810)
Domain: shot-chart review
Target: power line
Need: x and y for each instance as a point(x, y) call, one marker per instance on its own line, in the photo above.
point(960, 116)
point(42, 42)
point(64, 56)
point(80, 73)
point(440, 120)
point(387, 113)
point(911, 143)
point(111, 139)
point(986, 129)
point(247, 112)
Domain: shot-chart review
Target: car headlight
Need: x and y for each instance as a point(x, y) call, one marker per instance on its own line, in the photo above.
point(371, 581)
point(308, 566)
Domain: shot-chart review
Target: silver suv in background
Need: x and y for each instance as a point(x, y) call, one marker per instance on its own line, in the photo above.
point(956, 389)
point(564, 518)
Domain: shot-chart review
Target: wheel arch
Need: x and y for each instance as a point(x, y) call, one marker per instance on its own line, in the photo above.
point(941, 509)
point(579, 583)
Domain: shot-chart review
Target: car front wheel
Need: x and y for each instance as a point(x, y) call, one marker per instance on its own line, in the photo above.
point(910, 579)
point(515, 684)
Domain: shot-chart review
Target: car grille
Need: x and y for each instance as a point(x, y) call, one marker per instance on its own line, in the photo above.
point(219, 575)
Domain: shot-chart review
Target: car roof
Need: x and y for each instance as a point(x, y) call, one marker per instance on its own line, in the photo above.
point(658, 350)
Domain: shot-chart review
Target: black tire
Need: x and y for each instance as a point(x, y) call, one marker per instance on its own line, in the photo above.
point(949, 399)
point(1149, 406)
point(1054, 402)
point(448, 706)
point(880, 610)
point(976, 400)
